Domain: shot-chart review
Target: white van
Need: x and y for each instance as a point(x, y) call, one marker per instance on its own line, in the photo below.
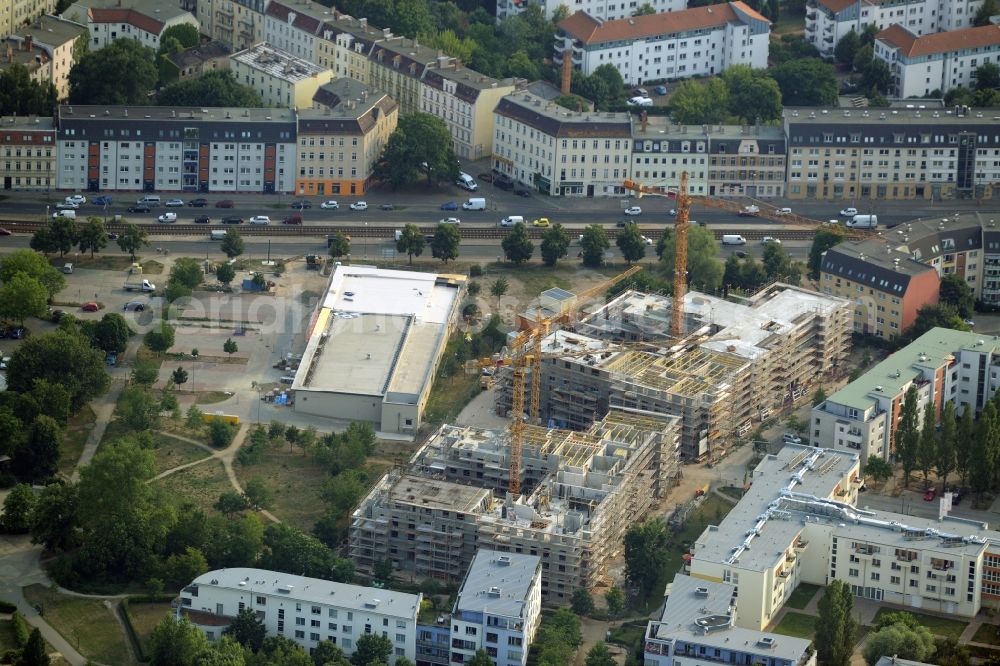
point(863, 222)
point(149, 200)
point(733, 239)
point(467, 182)
point(476, 203)
point(217, 234)
point(511, 220)
point(70, 214)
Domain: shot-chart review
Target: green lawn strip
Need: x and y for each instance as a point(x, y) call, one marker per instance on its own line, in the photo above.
point(200, 484)
point(629, 635)
point(86, 624)
point(75, 438)
point(171, 452)
point(987, 633)
point(296, 481)
point(802, 595)
point(939, 626)
point(144, 616)
point(798, 625)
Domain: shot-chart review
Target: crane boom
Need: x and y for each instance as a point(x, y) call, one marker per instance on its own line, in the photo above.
point(681, 226)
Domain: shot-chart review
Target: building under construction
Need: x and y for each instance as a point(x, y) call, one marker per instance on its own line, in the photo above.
point(581, 490)
point(738, 362)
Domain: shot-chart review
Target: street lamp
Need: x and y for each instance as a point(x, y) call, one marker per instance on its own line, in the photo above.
point(366, 240)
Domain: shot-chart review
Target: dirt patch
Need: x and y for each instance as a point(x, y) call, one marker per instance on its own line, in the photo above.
point(201, 484)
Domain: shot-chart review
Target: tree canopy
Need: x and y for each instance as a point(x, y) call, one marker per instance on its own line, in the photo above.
point(20, 95)
point(704, 267)
point(517, 247)
point(836, 627)
point(219, 88)
point(134, 74)
point(419, 139)
point(32, 263)
point(61, 358)
point(806, 82)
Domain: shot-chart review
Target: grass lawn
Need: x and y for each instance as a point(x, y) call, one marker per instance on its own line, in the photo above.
point(939, 626)
point(86, 623)
point(201, 484)
point(295, 479)
point(629, 635)
point(211, 397)
point(789, 21)
point(987, 633)
point(74, 438)
point(799, 625)
point(101, 262)
point(802, 595)
point(8, 641)
point(171, 452)
point(450, 394)
point(144, 618)
point(151, 267)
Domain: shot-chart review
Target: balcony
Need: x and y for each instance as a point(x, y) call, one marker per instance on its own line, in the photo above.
point(810, 16)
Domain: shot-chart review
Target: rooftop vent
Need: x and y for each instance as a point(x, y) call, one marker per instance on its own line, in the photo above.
point(766, 642)
point(372, 603)
point(504, 560)
point(494, 591)
point(701, 591)
point(879, 388)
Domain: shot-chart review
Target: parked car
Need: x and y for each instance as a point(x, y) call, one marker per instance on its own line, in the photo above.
point(540, 222)
point(260, 219)
point(770, 239)
point(292, 219)
point(930, 494)
point(503, 183)
point(202, 219)
point(225, 203)
point(67, 205)
point(301, 205)
point(633, 210)
point(167, 217)
point(102, 201)
point(450, 220)
point(621, 224)
point(330, 205)
point(232, 219)
point(522, 191)
point(660, 90)
point(359, 205)
point(139, 208)
point(78, 199)
point(111, 236)
point(849, 212)
point(450, 205)
point(969, 322)
point(783, 211)
point(18, 333)
point(91, 306)
point(791, 438)
point(386, 207)
point(198, 203)
point(174, 203)
point(485, 177)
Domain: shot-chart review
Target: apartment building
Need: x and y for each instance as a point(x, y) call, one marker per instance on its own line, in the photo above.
point(701, 41)
point(15, 14)
point(397, 65)
point(156, 148)
point(885, 285)
point(17, 51)
point(746, 161)
point(345, 44)
point(304, 610)
point(661, 151)
point(294, 28)
point(990, 285)
point(29, 153)
point(198, 60)
point(579, 492)
point(239, 24)
point(141, 20)
point(282, 79)
point(465, 100)
point(698, 626)
point(904, 153)
point(942, 365)
point(601, 9)
point(341, 138)
point(498, 608)
point(737, 364)
point(827, 21)
point(57, 38)
point(932, 64)
point(561, 152)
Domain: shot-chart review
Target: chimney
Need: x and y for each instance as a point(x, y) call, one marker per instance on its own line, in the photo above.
point(644, 117)
point(567, 71)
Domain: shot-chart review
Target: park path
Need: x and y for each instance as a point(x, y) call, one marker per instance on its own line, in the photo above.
point(104, 408)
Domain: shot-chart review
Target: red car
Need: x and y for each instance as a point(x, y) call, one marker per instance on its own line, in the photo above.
point(930, 495)
point(225, 203)
point(91, 306)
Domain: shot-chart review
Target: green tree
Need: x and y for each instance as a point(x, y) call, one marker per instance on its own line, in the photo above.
point(582, 603)
point(940, 315)
point(231, 503)
point(160, 338)
point(631, 243)
point(776, 261)
point(92, 237)
point(704, 268)
point(908, 435)
point(225, 273)
point(34, 652)
point(38, 456)
point(696, 102)
point(338, 245)
point(899, 640)
point(419, 139)
point(23, 96)
point(987, 76)
point(54, 521)
point(555, 244)
point(230, 347)
point(23, 296)
point(43, 241)
point(646, 554)
point(17, 509)
point(257, 493)
point(175, 641)
point(293, 551)
point(944, 462)
point(112, 333)
point(371, 648)
point(878, 469)
point(135, 75)
point(33, 264)
point(956, 292)
point(445, 244)
point(411, 242)
point(60, 358)
point(806, 82)
point(836, 628)
point(986, 11)
point(247, 630)
point(599, 656)
point(517, 247)
point(615, 599)
point(594, 243)
point(182, 568)
point(963, 443)
point(823, 240)
point(499, 288)
point(521, 66)
point(219, 88)
point(819, 397)
point(220, 433)
point(846, 48)
point(876, 77)
point(645, 9)
point(187, 271)
point(185, 34)
point(179, 376)
point(928, 447)
point(132, 239)
point(481, 658)
point(232, 244)
point(863, 57)
point(983, 453)
point(138, 409)
point(753, 95)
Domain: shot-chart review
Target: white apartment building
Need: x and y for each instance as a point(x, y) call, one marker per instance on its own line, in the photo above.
point(561, 152)
point(602, 9)
point(937, 62)
point(294, 29)
point(157, 149)
point(692, 42)
point(56, 37)
point(827, 21)
point(498, 608)
point(305, 610)
point(141, 20)
point(282, 79)
point(942, 365)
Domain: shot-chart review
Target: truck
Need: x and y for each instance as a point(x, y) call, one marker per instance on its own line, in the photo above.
point(135, 282)
point(475, 203)
point(863, 222)
point(749, 211)
point(314, 262)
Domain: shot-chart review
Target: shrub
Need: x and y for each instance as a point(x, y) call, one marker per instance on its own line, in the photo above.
point(475, 270)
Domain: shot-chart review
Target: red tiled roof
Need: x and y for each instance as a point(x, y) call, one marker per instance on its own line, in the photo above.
point(840, 5)
point(912, 46)
point(130, 16)
point(585, 28)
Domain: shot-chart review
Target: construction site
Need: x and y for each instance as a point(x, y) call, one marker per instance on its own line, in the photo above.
point(579, 491)
point(736, 362)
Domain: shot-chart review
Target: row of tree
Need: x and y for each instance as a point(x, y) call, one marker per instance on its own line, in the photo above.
point(62, 234)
